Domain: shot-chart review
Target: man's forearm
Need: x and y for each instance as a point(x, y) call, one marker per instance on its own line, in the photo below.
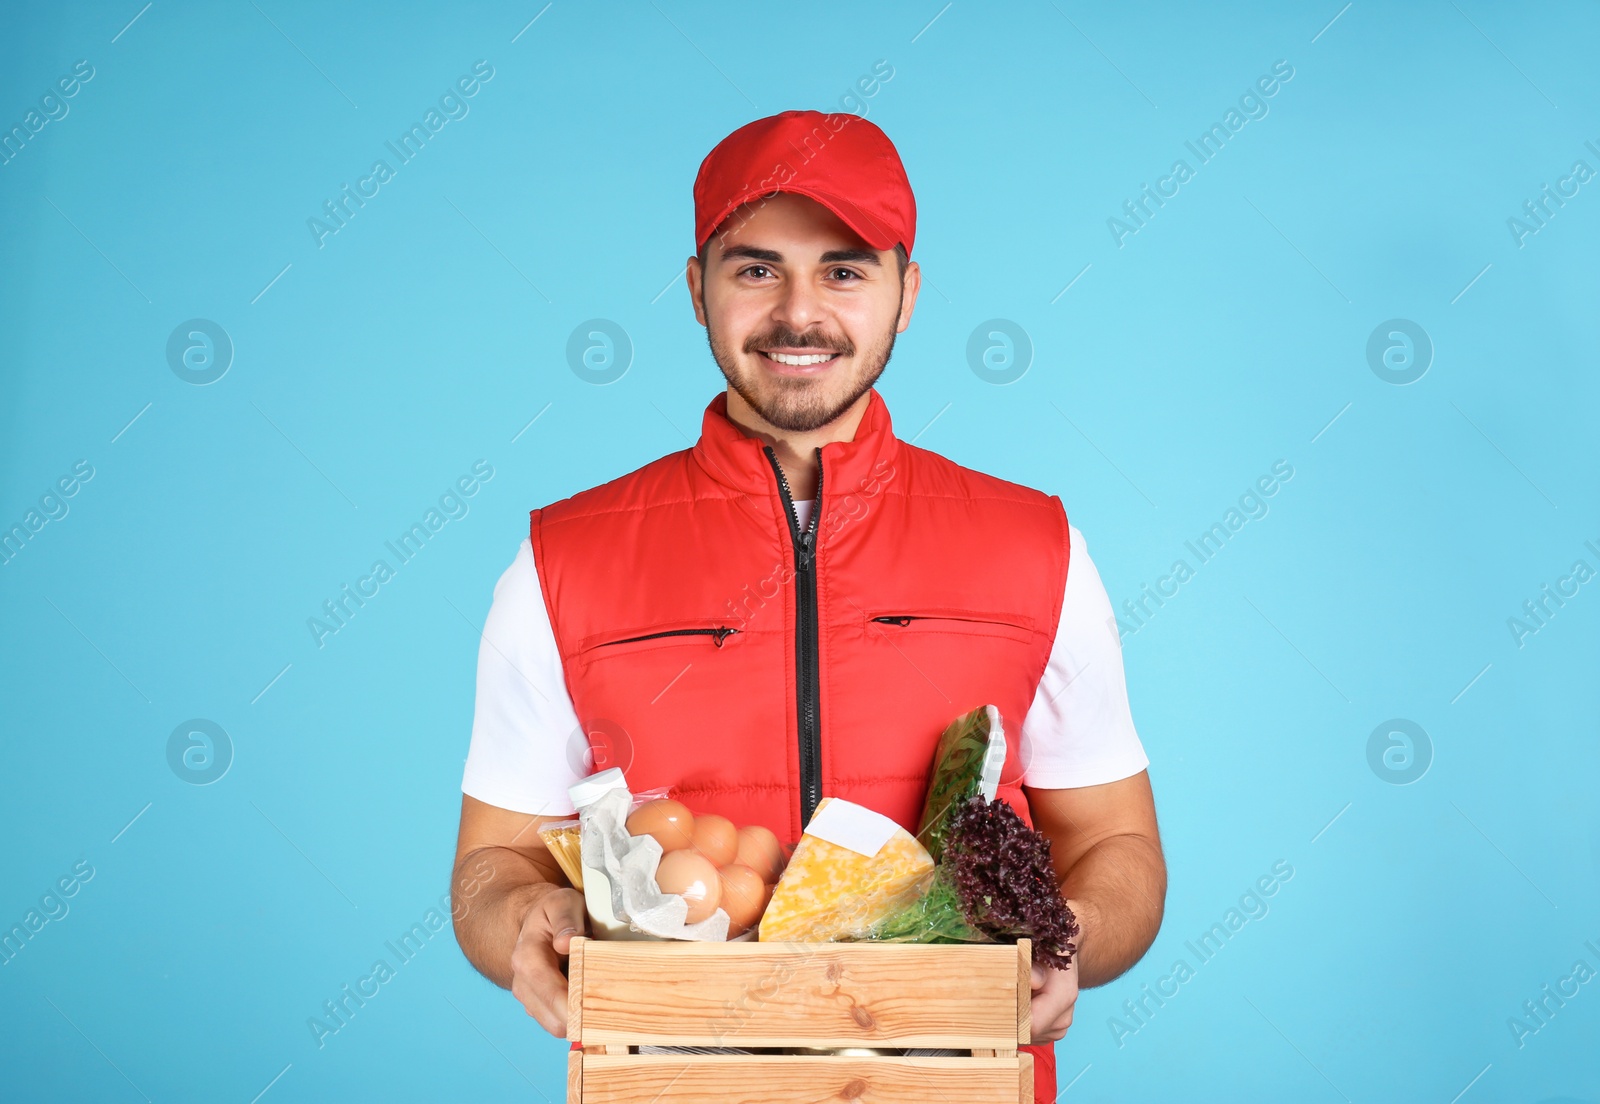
point(1118, 889)
point(491, 892)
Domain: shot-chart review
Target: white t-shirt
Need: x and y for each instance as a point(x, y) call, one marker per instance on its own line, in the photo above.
point(527, 741)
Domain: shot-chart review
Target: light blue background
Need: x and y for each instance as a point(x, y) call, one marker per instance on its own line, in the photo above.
point(1228, 333)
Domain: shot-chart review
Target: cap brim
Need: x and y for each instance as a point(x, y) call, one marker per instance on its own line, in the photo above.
point(869, 229)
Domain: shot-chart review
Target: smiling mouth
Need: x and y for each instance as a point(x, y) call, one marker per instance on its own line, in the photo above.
point(801, 360)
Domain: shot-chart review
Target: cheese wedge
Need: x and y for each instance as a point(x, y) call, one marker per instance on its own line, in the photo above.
point(830, 892)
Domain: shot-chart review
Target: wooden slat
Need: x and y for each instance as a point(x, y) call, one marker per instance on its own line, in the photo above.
point(788, 1079)
point(574, 1077)
point(1025, 1079)
point(1024, 991)
point(575, 988)
point(799, 994)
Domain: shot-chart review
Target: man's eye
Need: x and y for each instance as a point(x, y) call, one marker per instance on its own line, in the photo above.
point(758, 271)
point(845, 274)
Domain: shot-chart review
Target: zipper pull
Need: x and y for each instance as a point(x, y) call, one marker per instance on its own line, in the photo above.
point(721, 633)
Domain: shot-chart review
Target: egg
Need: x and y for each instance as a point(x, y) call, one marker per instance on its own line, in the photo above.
point(670, 822)
point(716, 838)
point(760, 850)
point(744, 897)
point(693, 878)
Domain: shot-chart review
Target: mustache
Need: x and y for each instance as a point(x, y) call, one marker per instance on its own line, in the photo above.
point(788, 339)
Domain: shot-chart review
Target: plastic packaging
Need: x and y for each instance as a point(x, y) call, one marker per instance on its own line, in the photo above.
point(620, 869)
point(968, 761)
point(598, 892)
point(994, 882)
point(852, 868)
point(561, 840)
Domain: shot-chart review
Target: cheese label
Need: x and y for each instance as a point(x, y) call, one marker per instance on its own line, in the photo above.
point(847, 824)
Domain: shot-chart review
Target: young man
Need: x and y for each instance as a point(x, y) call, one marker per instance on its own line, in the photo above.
point(799, 604)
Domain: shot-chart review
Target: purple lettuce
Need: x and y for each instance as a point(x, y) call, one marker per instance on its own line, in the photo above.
point(994, 884)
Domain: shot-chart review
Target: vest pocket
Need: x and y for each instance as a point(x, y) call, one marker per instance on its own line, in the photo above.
point(892, 624)
point(717, 634)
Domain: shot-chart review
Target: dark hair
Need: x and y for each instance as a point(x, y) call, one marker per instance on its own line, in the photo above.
point(899, 255)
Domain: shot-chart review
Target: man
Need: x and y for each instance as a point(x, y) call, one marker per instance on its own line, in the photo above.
point(798, 605)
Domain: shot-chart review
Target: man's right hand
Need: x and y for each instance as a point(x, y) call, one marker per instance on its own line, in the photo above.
point(537, 976)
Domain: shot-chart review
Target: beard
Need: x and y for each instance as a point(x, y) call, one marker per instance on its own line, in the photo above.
point(800, 404)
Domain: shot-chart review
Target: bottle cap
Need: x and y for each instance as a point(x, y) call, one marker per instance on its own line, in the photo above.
point(586, 791)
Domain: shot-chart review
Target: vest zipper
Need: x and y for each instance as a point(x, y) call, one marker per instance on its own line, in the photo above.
point(807, 676)
point(718, 635)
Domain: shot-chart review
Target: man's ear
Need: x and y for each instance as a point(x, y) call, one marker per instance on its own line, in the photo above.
point(695, 276)
point(908, 294)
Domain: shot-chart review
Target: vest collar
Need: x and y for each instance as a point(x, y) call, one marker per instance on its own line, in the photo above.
point(737, 460)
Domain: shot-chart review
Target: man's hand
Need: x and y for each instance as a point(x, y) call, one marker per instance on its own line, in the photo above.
point(515, 918)
point(1055, 993)
point(1106, 849)
point(543, 943)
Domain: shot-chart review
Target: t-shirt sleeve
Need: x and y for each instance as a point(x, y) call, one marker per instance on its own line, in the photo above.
point(525, 731)
point(1079, 730)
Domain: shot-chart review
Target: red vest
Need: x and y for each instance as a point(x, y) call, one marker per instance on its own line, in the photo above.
point(711, 647)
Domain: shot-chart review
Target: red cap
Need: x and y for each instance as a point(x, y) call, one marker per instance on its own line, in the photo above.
point(842, 161)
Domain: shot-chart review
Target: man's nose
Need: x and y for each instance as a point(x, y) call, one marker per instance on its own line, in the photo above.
point(799, 308)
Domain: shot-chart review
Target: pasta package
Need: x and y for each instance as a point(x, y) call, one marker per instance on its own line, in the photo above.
point(561, 839)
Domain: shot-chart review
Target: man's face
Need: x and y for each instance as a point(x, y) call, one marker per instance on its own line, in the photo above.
point(801, 313)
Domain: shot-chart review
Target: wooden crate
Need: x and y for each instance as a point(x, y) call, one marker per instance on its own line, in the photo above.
point(765, 995)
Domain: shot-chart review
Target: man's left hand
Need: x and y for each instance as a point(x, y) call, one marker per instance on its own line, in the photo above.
point(1055, 992)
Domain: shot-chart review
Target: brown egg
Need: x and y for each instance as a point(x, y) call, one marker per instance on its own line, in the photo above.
point(760, 850)
point(716, 838)
point(744, 897)
point(670, 822)
point(694, 878)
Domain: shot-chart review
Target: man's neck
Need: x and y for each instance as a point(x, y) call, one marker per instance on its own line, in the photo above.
point(796, 452)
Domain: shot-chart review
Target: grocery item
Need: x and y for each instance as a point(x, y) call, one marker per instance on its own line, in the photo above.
point(851, 868)
point(716, 838)
point(668, 821)
point(654, 870)
point(744, 896)
point(693, 878)
point(760, 850)
point(561, 840)
point(975, 899)
point(968, 760)
point(994, 881)
point(599, 896)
